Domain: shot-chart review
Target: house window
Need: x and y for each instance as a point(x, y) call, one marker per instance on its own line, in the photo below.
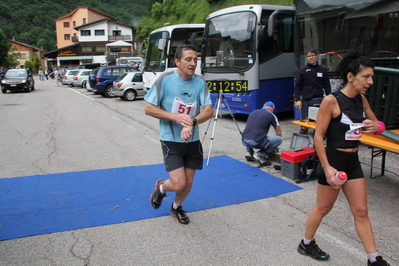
point(100, 48)
point(116, 33)
point(85, 33)
point(66, 24)
point(22, 56)
point(84, 21)
point(86, 49)
point(74, 23)
point(21, 47)
point(67, 37)
point(99, 32)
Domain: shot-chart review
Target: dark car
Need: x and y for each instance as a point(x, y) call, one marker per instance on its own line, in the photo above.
point(102, 78)
point(17, 80)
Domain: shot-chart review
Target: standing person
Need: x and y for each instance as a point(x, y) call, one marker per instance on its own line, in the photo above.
point(57, 75)
point(311, 83)
point(342, 118)
point(175, 99)
point(255, 134)
point(41, 74)
point(46, 73)
point(2, 73)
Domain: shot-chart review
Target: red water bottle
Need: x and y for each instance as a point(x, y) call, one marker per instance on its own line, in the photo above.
point(340, 178)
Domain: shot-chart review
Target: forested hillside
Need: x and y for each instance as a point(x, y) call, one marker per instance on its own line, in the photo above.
point(32, 21)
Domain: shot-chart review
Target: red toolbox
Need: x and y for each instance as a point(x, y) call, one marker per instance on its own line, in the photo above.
point(297, 156)
point(290, 161)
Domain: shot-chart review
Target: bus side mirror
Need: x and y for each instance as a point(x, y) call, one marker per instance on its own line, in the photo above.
point(271, 25)
point(161, 44)
point(262, 33)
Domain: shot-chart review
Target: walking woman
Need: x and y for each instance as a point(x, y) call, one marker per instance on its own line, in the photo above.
point(342, 118)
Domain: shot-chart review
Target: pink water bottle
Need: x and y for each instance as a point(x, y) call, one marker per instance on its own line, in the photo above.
point(340, 178)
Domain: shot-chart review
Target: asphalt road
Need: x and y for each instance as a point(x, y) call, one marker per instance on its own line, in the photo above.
point(61, 129)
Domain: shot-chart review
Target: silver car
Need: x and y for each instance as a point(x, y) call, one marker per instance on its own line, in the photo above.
point(68, 77)
point(80, 78)
point(129, 86)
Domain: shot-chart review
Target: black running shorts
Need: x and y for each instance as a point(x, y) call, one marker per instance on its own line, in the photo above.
point(177, 155)
point(342, 161)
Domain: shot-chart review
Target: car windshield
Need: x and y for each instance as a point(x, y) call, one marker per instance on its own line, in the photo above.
point(16, 74)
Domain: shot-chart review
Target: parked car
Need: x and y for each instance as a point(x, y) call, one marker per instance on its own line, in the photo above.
point(80, 78)
point(102, 78)
point(18, 80)
point(89, 66)
point(68, 77)
point(128, 86)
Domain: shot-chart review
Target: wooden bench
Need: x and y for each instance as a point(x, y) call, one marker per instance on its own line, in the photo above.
point(379, 144)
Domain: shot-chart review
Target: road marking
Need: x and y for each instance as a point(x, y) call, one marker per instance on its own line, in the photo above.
point(151, 139)
point(116, 118)
point(78, 92)
point(132, 128)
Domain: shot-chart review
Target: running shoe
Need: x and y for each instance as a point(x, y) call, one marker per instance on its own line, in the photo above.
point(265, 161)
point(179, 214)
point(312, 250)
point(249, 156)
point(156, 196)
point(380, 262)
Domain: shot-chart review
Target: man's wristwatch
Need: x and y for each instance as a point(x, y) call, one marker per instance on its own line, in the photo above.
point(194, 120)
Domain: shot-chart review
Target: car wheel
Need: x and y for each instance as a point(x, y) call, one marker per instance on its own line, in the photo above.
point(129, 95)
point(108, 91)
point(84, 84)
point(3, 90)
point(33, 87)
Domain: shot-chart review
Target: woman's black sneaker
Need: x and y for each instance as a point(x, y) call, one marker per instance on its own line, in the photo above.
point(380, 262)
point(312, 250)
point(179, 214)
point(156, 196)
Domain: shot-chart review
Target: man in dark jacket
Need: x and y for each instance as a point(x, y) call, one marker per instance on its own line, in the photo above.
point(311, 84)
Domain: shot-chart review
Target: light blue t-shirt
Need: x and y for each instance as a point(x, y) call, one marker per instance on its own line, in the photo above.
point(173, 94)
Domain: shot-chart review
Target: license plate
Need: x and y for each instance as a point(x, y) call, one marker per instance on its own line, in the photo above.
point(227, 85)
point(13, 85)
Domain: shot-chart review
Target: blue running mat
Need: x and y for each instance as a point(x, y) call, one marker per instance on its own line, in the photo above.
point(41, 204)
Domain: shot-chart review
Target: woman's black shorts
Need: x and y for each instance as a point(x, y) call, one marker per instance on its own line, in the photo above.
point(342, 161)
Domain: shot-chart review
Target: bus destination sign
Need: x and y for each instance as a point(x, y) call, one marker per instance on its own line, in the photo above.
point(227, 85)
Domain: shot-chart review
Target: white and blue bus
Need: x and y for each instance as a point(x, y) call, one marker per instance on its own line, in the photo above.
point(248, 54)
point(162, 45)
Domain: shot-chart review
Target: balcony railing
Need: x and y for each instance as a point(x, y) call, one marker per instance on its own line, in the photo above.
point(75, 39)
point(114, 55)
point(126, 38)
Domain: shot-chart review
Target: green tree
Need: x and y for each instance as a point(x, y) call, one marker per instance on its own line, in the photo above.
point(4, 47)
point(36, 63)
point(11, 59)
point(29, 64)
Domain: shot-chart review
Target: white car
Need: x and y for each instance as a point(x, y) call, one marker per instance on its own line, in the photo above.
point(129, 86)
point(68, 77)
point(80, 78)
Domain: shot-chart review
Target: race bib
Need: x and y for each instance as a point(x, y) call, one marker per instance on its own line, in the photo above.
point(181, 107)
point(355, 131)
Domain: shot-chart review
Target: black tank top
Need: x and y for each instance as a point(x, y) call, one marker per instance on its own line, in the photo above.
point(344, 131)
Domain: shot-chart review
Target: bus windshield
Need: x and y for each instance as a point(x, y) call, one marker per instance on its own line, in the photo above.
point(229, 42)
point(334, 27)
point(156, 52)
